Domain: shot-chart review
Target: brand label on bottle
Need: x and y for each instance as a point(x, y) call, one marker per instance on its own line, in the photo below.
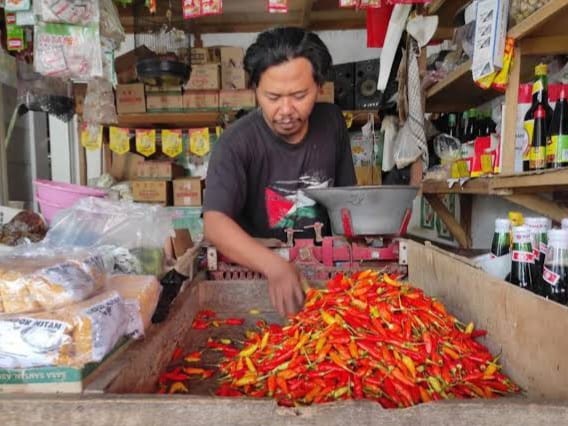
point(536, 253)
point(550, 277)
point(543, 247)
point(522, 256)
point(537, 158)
point(557, 150)
point(529, 128)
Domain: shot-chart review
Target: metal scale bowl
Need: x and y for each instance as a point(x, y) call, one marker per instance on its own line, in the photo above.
point(365, 210)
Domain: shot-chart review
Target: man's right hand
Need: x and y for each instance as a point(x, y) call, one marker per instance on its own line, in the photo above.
point(284, 287)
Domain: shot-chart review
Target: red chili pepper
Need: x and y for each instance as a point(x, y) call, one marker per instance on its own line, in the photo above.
point(234, 321)
point(177, 354)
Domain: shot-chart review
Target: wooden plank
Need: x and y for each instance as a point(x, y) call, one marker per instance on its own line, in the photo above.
point(473, 186)
point(446, 10)
point(180, 119)
point(549, 178)
point(552, 45)
point(449, 220)
point(553, 9)
point(540, 205)
point(510, 124)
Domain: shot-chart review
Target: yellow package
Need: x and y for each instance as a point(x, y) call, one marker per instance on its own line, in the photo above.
point(502, 78)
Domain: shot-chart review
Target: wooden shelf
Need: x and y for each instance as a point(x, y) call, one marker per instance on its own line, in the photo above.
point(446, 11)
point(541, 181)
point(174, 119)
point(544, 32)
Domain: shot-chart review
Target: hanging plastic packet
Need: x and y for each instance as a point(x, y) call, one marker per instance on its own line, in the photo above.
point(99, 105)
point(172, 144)
point(119, 142)
point(502, 78)
point(146, 141)
point(110, 26)
point(68, 51)
point(277, 6)
point(211, 7)
point(191, 9)
point(199, 141)
point(91, 136)
point(76, 12)
point(15, 38)
point(17, 5)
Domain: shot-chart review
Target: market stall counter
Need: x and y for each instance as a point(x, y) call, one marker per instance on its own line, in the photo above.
point(523, 328)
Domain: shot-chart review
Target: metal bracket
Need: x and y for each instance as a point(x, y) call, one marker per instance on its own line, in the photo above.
point(212, 263)
point(402, 252)
point(290, 236)
point(317, 227)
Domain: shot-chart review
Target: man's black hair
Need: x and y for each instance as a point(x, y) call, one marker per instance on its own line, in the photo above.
point(278, 45)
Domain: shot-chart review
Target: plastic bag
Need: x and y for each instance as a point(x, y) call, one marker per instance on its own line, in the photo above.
point(99, 105)
point(68, 51)
point(73, 336)
point(45, 94)
point(522, 9)
point(76, 12)
point(111, 27)
point(37, 278)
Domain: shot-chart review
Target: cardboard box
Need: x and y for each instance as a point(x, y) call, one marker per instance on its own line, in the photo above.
point(162, 89)
point(164, 101)
point(164, 170)
point(368, 175)
point(204, 77)
point(152, 191)
point(326, 93)
point(201, 100)
point(130, 98)
point(233, 78)
point(188, 192)
point(42, 380)
point(237, 99)
point(125, 65)
point(199, 55)
point(227, 55)
point(125, 167)
point(490, 34)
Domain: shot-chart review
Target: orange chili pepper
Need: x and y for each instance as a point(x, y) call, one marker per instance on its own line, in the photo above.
point(353, 350)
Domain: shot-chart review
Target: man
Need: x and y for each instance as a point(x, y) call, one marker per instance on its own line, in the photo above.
point(264, 160)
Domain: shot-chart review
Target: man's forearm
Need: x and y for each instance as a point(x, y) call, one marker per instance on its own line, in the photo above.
point(231, 240)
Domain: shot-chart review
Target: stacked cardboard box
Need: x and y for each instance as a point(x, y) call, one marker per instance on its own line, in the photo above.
point(153, 182)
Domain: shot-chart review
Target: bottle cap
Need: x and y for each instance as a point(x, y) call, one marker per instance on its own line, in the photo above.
point(541, 69)
point(522, 234)
point(502, 225)
point(565, 223)
point(558, 238)
point(540, 113)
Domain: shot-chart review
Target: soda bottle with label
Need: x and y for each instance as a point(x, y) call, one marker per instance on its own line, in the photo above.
point(539, 98)
point(537, 158)
point(539, 227)
point(501, 244)
point(557, 149)
point(522, 259)
point(555, 273)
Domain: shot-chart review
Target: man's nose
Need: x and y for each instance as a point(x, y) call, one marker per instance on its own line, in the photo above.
point(285, 105)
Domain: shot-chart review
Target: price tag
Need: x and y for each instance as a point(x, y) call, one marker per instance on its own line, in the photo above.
point(91, 137)
point(172, 144)
point(119, 140)
point(199, 143)
point(146, 142)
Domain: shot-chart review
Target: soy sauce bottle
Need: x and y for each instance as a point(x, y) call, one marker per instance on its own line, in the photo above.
point(522, 264)
point(537, 156)
point(501, 244)
point(554, 280)
point(539, 227)
point(557, 148)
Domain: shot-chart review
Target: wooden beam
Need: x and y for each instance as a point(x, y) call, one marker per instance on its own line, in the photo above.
point(4, 192)
point(466, 209)
point(555, 179)
point(307, 6)
point(553, 45)
point(449, 220)
point(510, 118)
point(540, 205)
point(444, 33)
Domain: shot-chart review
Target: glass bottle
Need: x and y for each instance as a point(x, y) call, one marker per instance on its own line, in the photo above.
point(539, 227)
point(501, 244)
point(522, 259)
point(555, 274)
point(557, 149)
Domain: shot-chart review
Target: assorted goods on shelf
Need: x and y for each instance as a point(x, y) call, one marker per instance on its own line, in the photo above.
point(69, 301)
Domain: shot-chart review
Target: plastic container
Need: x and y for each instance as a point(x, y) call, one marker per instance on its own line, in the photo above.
point(49, 209)
point(64, 194)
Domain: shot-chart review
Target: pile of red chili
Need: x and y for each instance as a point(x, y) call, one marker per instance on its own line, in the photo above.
point(366, 336)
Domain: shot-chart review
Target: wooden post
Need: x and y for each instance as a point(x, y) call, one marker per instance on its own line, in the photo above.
point(508, 138)
point(4, 193)
point(449, 220)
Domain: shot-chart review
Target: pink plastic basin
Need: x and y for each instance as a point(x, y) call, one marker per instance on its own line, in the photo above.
point(48, 209)
point(64, 194)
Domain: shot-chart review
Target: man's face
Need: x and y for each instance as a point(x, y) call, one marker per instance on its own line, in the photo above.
point(286, 93)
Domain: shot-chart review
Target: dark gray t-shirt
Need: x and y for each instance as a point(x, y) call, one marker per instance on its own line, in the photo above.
point(256, 178)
